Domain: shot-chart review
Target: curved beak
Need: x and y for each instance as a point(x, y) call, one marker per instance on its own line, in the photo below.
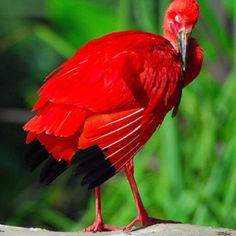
point(183, 42)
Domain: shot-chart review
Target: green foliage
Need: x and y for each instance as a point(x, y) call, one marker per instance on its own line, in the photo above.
point(186, 172)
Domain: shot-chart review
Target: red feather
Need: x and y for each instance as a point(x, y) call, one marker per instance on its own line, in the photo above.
point(113, 93)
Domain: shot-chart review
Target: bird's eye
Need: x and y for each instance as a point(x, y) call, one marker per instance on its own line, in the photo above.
point(178, 18)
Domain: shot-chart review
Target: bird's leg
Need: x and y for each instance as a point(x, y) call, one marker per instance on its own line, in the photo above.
point(142, 217)
point(98, 224)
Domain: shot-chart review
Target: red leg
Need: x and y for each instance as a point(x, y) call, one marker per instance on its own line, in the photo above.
point(142, 217)
point(98, 224)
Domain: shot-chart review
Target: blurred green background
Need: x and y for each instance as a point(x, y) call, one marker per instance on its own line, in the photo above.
point(186, 172)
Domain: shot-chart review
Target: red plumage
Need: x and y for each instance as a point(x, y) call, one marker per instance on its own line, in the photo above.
point(109, 78)
point(100, 107)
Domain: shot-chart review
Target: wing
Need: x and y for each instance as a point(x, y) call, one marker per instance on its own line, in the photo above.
point(106, 75)
point(57, 127)
point(96, 86)
point(107, 143)
point(92, 107)
point(98, 80)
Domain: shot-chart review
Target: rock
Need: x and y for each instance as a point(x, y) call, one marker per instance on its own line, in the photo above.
point(154, 230)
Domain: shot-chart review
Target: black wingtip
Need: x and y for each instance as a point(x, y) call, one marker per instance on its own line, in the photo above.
point(32, 147)
point(36, 154)
point(102, 178)
point(38, 158)
point(87, 154)
point(94, 165)
point(51, 170)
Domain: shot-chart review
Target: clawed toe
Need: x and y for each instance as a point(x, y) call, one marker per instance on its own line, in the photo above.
point(99, 227)
point(147, 222)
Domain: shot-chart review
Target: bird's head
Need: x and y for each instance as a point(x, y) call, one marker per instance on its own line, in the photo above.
point(180, 19)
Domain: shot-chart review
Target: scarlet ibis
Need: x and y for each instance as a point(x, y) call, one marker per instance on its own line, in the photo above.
point(98, 109)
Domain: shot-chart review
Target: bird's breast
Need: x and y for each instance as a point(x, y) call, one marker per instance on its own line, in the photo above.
point(161, 78)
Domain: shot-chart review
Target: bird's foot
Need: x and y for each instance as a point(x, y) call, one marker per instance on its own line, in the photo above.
point(99, 226)
point(147, 221)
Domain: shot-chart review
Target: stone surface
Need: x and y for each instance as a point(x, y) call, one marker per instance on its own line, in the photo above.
point(154, 230)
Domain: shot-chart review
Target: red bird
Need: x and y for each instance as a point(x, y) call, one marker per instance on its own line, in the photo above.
point(98, 109)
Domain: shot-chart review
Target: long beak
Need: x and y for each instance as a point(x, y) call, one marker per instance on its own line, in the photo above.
point(183, 42)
